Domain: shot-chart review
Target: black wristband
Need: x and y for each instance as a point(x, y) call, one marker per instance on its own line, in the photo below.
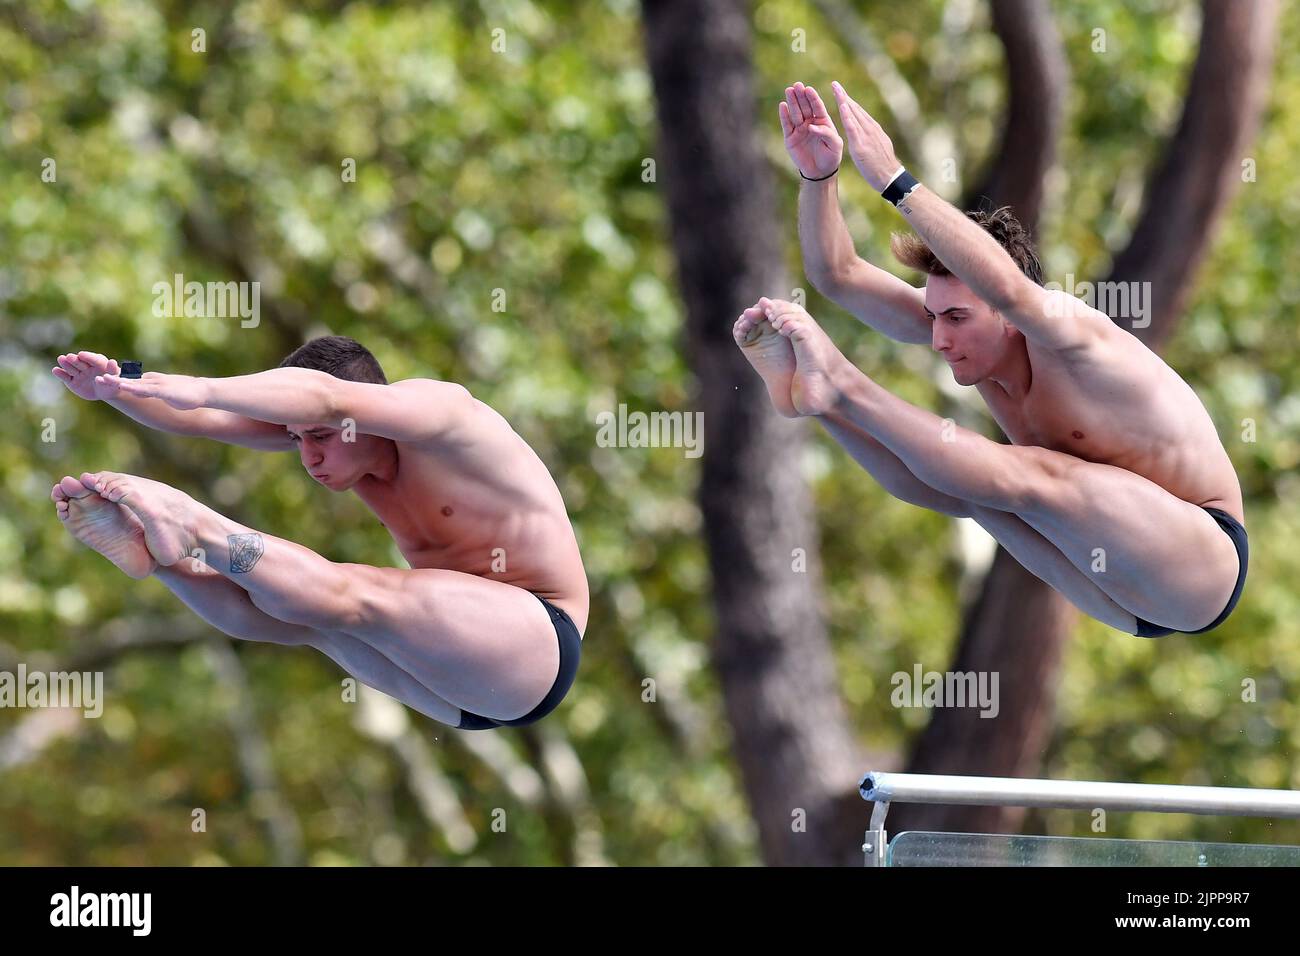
point(900, 188)
point(131, 370)
point(819, 178)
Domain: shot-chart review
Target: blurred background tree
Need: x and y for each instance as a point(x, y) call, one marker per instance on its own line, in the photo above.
point(505, 146)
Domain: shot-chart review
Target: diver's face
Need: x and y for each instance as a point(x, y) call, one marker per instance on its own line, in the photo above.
point(335, 463)
point(972, 338)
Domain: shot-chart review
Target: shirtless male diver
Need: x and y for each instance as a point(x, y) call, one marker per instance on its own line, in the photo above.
point(1116, 490)
point(483, 630)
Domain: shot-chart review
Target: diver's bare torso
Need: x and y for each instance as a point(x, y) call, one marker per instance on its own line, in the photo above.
point(1116, 402)
point(487, 507)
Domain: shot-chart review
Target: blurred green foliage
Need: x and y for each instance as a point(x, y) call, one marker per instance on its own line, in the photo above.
point(521, 171)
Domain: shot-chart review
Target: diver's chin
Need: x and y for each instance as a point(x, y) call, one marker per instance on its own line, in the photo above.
point(328, 482)
point(343, 484)
point(963, 374)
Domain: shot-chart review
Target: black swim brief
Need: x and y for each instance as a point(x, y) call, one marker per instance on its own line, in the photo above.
point(1237, 533)
point(570, 650)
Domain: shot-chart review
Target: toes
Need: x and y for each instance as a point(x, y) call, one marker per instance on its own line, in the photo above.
point(779, 310)
point(106, 484)
point(786, 324)
point(70, 487)
point(786, 321)
point(60, 498)
point(93, 478)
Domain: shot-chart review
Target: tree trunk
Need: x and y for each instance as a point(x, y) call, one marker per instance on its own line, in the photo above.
point(791, 737)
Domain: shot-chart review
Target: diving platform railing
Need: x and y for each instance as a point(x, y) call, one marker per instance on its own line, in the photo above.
point(917, 848)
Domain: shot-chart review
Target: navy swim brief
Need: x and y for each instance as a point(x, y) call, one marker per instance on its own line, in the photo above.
point(1232, 527)
point(570, 650)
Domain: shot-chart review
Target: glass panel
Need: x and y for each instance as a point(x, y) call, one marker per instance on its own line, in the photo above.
point(916, 848)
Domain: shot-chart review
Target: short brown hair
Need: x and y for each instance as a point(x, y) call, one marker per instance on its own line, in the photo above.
point(339, 356)
point(1001, 224)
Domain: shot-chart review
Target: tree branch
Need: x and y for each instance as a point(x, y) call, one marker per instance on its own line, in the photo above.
point(1037, 78)
point(931, 141)
point(1201, 167)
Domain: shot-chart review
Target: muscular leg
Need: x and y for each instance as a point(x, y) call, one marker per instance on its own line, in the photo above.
point(227, 607)
point(116, 533)
point(772, 356)
point(889, 470)
point(484, 646)
point(953, 460)
point(1049, 564)
point(1038, 555)
point(1166, 560)
point(806, 375)
point(1158, 557)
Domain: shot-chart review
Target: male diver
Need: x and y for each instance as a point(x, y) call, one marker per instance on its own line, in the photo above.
point(1116, 489)
point(483, 630)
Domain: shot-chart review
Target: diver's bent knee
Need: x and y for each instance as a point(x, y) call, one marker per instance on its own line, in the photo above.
point(1039, 480)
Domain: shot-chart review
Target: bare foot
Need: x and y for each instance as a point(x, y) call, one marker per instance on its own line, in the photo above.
point(165, 513)
point(103, 526)
point(771, 355)
point(813, 386)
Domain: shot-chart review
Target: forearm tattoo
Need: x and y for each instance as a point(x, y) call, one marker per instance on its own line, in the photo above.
point(245, 551)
